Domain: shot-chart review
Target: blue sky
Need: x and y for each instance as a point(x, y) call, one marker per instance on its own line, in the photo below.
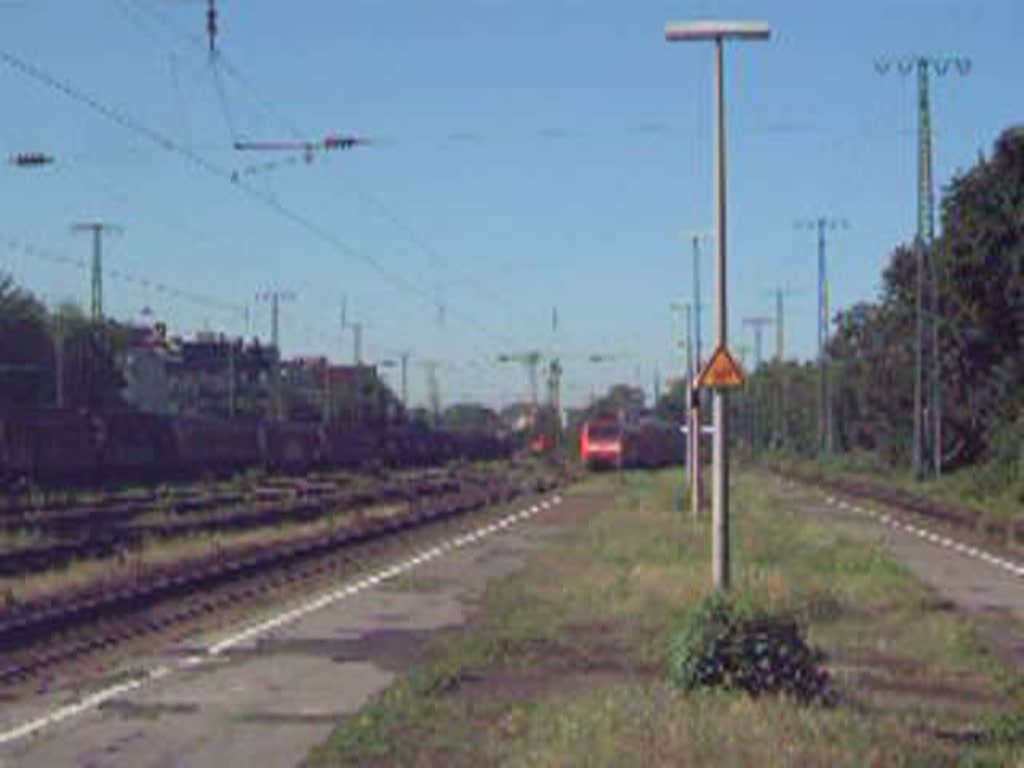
point(526, 154)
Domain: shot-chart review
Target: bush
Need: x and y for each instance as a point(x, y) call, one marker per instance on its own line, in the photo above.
point(728, 644)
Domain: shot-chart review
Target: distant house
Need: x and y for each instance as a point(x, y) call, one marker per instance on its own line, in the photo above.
point(210, 375)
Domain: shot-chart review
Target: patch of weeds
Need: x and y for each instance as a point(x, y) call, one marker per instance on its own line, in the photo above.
point(1005, 729)
point(729, 643)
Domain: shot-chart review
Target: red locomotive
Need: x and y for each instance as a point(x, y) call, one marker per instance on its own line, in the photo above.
point(610, 443)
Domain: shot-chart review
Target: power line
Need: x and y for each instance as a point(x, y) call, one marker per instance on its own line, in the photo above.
point(268, 200)
point(128, 277)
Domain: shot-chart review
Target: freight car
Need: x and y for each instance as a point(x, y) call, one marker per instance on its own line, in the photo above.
point(73, 448)
point(651, 443)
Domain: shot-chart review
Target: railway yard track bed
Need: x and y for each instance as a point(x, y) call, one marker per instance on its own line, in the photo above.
point(192, 578)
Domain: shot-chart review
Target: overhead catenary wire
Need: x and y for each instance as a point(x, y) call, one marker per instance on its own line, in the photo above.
point(265, 198)
point(195, 297)
point(368, 199)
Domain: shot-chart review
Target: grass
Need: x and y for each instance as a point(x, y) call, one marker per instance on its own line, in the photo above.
point(564, 663)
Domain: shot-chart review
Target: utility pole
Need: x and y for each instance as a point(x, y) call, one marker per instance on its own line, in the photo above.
point(433, 389)
point(692, 406)
point(97, 229)
point(693, 421)
point(927, 388)
point(275, 297)
point(718, 32)
point(758, 324)
point(780, 355)
point(695, 239)
point(328, 406)
point(404, 358)
point(357, 343)
point(232, 378)
point(357, 333)
point(58, 355)
point(555, 397)
point(822, 225)
point(531, 361)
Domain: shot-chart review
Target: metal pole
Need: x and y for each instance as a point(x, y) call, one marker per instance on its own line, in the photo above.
point(231, 378)
point(936, 368)
point(696, 296)
point(688, 331)
point(823, 425)
point(720, 449)
point(274, 342)
point(404, 380)
point(97, 273)
point(357, 343)
point(926, 226)
point(695, 399)
point(780, 346)
point(327, 391)
point(58, 351)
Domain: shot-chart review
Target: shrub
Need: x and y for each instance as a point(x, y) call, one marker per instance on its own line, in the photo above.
point(726, 643)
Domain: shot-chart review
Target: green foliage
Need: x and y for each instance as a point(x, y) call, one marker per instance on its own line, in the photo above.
point(26, 353)
point(621, 399)
point(978, 262)
point(727, 643)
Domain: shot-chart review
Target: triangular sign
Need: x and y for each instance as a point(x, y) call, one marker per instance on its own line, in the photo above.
point(721, 371)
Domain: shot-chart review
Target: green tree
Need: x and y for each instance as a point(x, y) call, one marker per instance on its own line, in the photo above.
point(26, 352)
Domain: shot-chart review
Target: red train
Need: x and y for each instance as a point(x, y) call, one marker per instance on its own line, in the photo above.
point(607, 443)
point(77, 447)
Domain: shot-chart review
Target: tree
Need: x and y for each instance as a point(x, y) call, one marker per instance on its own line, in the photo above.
point(26, 352)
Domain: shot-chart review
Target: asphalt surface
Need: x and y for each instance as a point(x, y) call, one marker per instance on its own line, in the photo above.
point(267, 700)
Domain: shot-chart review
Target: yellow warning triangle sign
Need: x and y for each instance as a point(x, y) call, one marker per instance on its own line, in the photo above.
point(721, 371)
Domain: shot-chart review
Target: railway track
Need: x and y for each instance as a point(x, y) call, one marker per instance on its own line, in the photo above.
point(1005, 532)
point(68, 514)
point(98, 533)
point(43, 636)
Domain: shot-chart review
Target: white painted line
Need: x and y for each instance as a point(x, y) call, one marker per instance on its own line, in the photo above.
point(64, 713)
point(217, 649)
point(160, 672)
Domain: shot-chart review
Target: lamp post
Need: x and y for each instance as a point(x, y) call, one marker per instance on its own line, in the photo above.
point(719, 32)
